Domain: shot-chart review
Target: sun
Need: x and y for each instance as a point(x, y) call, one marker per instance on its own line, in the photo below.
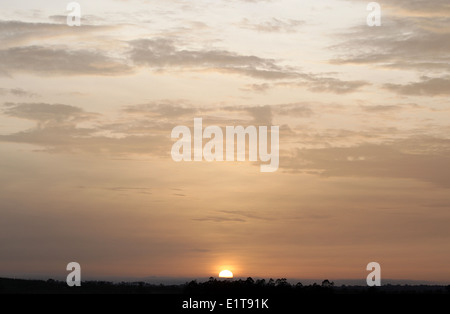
point(226, 274)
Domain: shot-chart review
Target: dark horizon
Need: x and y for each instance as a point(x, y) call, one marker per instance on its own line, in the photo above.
point(280, 287)
point(167, 280)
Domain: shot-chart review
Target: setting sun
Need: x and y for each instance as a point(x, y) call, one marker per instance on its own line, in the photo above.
point(226, 274)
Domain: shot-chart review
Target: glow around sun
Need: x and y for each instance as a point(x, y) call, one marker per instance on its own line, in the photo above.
point(226, 274)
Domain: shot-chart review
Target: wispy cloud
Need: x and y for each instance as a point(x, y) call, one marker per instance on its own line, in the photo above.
point(219, 219)
point(400, 43)
point(166, 108)
point(57, 61)
point(273, 25)
point(420, 158)
point(44, 112)
point(439, 86)
point(163, 53)
point(18, 92)
point(16, 33)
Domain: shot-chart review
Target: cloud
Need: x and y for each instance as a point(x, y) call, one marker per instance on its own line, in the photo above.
point(21, 53)
point(294, 110)
point(28, 48)
point(420, 7)
point(163, 53)
point(85, 20)
point(421, 158)
point(141, 129)
point(235, 216)
point(326, 84)
point(14, 33)
point(260, 73)
point(415, 7)
point(45, 112)
point(122, 189)
point(58, 130)
point(168, 109)
point(57, 61)
point(381, 108)
point(246, 214)
point(75, 140)
point(258, 88)
point(334, 85)
point(273, 25)
point(401, 42)
point(261, 115)
point(220, 219)
point(426, 87)
point(18, 92)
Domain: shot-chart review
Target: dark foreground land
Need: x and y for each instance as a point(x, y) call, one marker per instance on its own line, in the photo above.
point(213, 286)
point(219, 296)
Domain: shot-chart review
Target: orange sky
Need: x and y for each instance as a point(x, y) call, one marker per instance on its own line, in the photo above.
point(86, 114)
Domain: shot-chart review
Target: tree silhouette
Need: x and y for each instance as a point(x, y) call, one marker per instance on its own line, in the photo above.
point(327, 283)
point(282, 283)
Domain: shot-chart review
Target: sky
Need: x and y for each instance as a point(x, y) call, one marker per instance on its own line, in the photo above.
point(86, 115)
